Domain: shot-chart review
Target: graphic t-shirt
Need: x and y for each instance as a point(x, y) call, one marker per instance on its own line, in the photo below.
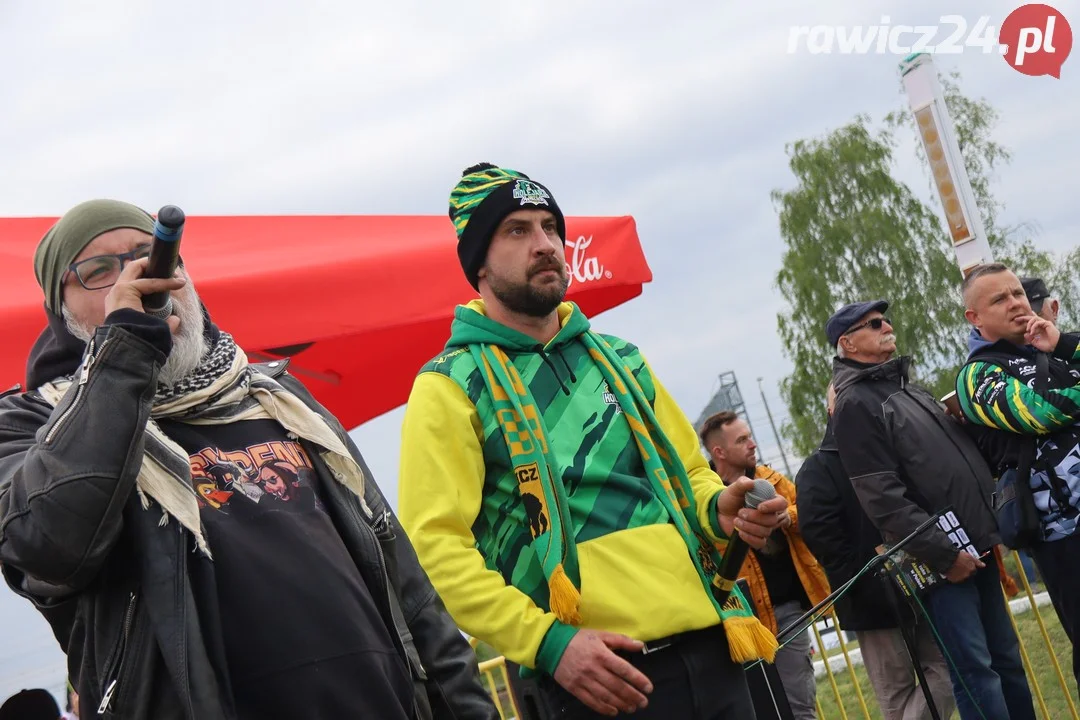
point(301, 631)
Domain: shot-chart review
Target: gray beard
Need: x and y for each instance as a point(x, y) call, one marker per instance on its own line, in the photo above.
point(189, 344)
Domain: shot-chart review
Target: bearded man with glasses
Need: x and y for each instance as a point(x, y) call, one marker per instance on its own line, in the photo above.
point(131, 515)
point(908, 460)
point(98, 268)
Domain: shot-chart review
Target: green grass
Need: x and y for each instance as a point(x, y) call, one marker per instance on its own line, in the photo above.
point(1057, 707)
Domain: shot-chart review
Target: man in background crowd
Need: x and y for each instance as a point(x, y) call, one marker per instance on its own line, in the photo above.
point(843, 539)
point(1040, 300)
point(908, 460)
point(784, 578)
point(996, 390)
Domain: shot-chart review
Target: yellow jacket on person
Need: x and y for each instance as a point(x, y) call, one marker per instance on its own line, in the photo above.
point(460, 506)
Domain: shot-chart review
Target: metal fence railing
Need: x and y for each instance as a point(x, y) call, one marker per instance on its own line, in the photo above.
point(497, 680)
point(1039, 681)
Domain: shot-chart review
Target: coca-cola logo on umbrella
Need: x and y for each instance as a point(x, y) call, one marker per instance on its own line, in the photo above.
point(580, 267)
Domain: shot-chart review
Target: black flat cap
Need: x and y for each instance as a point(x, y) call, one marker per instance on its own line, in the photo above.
point(848, 315)
point(1036, 292)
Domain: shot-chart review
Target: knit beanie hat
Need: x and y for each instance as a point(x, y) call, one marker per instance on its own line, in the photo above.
point(70, 235)
point(482, 198)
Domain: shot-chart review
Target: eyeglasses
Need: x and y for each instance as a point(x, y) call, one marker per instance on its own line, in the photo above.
point(102, 271)
point(872, 323)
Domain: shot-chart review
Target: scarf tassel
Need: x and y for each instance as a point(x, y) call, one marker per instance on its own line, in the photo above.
point(565, 598)
point(749, 640)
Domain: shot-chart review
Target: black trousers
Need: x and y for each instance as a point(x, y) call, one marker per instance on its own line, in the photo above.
point(693, 679)
point(1059, 565)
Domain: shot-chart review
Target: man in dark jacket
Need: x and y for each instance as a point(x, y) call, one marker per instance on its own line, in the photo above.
point(131, 515)
point(843, 539)
point(907, 460)
point(997, 394)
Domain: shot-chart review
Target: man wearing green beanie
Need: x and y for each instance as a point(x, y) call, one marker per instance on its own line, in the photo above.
point(79, 261)
point(134, 513)
point(78, 227)
point(557, 495)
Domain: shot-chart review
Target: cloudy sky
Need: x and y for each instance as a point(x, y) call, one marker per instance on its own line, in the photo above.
point(675, 114)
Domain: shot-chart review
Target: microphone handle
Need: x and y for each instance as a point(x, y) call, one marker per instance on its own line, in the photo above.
point(731, 563)
point(737, 548)
point(164, 258)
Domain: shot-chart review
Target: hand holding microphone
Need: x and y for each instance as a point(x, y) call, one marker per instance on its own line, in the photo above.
point(145, 285)
point(749, 511)
point(752, 508)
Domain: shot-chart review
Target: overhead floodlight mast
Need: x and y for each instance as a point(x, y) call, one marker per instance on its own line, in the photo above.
point(935, 129)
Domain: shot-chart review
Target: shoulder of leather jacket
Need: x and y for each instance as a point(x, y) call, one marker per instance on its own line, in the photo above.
point(17, 396)
point(274, 368)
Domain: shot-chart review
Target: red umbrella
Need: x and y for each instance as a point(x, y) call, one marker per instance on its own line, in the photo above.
point(359, 303)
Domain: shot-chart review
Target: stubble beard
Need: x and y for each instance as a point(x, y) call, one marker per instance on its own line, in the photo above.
point(527, 299)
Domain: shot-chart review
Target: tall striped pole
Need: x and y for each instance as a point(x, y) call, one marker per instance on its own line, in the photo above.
point(938, 137)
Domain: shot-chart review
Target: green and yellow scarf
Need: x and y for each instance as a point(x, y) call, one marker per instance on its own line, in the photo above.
point(539, 476)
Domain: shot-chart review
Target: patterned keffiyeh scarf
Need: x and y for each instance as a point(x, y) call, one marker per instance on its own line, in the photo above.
point(224, 389)
point(217, 362)
point(540, 476)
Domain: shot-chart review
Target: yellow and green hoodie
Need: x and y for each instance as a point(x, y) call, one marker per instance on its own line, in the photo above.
point(460, 506)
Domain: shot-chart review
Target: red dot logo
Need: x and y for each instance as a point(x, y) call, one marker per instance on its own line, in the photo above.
point(1036, 39)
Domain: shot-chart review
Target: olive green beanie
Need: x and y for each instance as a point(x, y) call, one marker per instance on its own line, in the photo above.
point(70, 235)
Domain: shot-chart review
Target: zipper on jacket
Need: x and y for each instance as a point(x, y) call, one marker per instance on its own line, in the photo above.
point(114, 678)
point(84, 375)
point(387, 589)
point(390, 600)
point(382, 524)
point(384, 575)
point(420, 672)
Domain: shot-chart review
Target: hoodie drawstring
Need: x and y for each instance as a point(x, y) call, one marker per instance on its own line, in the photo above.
point(547, 359)
point(573, 378)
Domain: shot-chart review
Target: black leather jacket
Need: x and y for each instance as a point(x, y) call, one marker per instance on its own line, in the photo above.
point(113, 583)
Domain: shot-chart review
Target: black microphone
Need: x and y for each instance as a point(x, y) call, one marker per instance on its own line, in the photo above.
point(164, 258)
point(737, 548)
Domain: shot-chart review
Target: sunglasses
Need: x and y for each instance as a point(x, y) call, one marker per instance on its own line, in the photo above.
point(872, 323)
